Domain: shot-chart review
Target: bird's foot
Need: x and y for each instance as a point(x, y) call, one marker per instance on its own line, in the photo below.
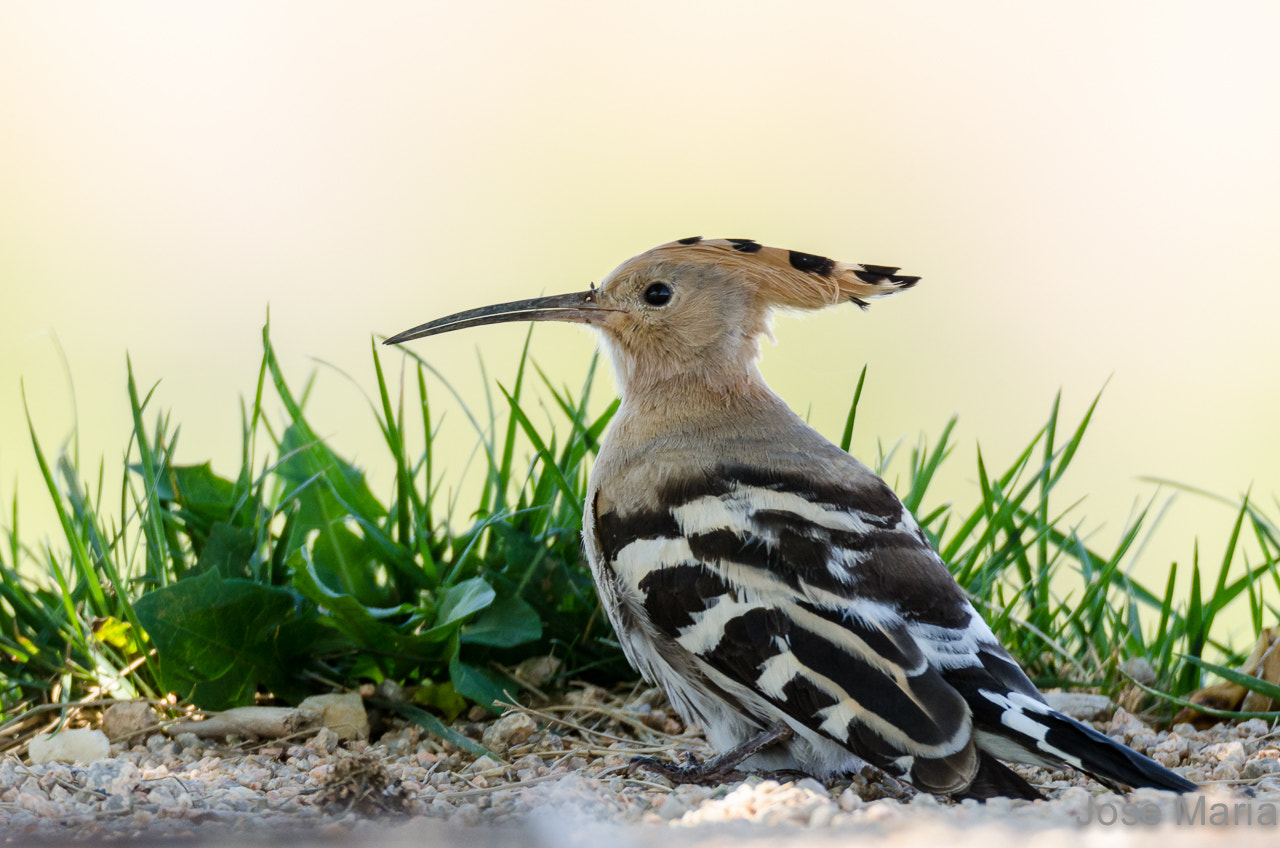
point(785, 775)
point(692, 770)
point(722, 768)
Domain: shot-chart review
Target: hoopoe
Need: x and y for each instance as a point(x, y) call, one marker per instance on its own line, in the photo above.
point(773, 585)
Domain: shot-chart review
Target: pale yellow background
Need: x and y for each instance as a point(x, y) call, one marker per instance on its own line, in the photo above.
point(1089, 189)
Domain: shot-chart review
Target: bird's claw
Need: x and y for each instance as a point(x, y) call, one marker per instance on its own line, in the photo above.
point(719, 769)
point(692, 770)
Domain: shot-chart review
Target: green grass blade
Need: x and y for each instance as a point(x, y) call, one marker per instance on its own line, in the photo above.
point(80, 558)
point(1231, 675)
point(929, 466)
point(1046, 483)
point(393, 437)
point(433, 725)
point(847, 438)
point(549, 465)
point(1207, 710)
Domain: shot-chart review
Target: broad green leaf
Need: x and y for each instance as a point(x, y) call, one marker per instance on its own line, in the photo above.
point(368, 627)
point(227, 551)
point(509, 621)
point(214, 635)
point(519, 549)
point(327, 489)
point(442, 697)
point(202, 492)
point(479, 684)
point(342, 559)
point(462, 599)
point(305, 457)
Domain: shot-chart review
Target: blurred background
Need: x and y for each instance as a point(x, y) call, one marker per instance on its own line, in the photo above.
point(1089, 190)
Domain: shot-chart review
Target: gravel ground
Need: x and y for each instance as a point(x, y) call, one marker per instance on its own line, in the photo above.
point(562, 780)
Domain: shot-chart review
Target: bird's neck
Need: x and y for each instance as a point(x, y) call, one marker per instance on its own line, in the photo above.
point(659, 406)
point(657, 373)
point(671, 389)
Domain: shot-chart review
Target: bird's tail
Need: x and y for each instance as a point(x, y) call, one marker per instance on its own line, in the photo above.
point(1018, 724)
point(1103, 758)
point(995, 779)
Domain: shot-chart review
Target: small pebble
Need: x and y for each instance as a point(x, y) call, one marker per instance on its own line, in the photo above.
point(1260, 766)
point(883, 810)
point(850, 800)
point(1140, 669)
point(69, 746)
point(508, 731)
point(672, 808)
point(822, 816)
point(1080, 705)
point(809, 784)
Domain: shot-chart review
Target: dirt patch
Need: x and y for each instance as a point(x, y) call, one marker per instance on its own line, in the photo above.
point(561, 770)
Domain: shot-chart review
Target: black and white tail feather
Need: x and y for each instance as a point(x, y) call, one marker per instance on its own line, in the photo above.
point(757, 596)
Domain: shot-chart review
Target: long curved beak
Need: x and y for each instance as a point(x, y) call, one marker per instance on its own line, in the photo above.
point(579, 307)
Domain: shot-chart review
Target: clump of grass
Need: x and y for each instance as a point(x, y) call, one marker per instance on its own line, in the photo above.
point(292, 576)
point(1073, 615)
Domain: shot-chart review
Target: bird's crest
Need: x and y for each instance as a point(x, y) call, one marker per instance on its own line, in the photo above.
point(787, 278)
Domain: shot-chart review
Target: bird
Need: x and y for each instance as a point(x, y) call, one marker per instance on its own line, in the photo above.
point(771, 584)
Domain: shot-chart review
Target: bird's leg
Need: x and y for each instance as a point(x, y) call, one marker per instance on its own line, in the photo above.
point(722, 768)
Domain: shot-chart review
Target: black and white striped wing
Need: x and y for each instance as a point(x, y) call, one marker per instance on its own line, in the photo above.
point(826, 600)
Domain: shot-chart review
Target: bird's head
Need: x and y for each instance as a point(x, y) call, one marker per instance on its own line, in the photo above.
point(691, 311)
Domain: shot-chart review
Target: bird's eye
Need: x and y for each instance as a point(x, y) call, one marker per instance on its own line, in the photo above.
point(657, 294)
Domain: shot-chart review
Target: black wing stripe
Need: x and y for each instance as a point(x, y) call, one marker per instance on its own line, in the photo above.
point(807, 699)
point(873, 498)
point(801, 554)
point(804, 564)
point(747, 642)
point(764, 649)
point(806, 543)
point(614, 531)
point(881, 679)
point(674, 595)
point(922, 707)
point(887, 640)
point(694, 598)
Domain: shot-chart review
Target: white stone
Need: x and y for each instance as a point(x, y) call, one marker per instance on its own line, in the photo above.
point(483, 764)
point(343, 714)
point(507, 732)
point(1080, 705)
point(822, 816)
point(1139, 668)
point(849, 800)
point(809, 784)
point(70, 746)
point(537, 671)
point(1223, 750)
point(1260, 766)
point(127, 719)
